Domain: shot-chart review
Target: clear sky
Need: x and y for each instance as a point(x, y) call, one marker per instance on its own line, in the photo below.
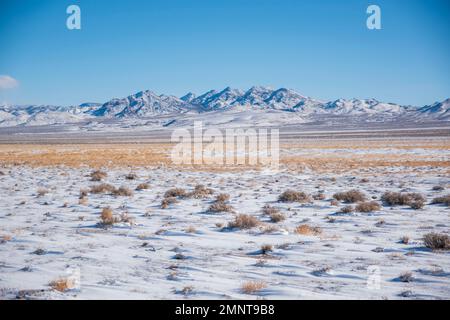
point(320, 48)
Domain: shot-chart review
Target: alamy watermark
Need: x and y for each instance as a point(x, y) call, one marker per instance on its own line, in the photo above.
point(226, 147)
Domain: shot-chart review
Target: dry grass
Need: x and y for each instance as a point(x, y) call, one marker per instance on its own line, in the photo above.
point(415, 200)
point(200, 192)
point(406, 277)
point(268, 210)
point(220, 207)
point(42, 192)
point(244, 221)
point(266, 248)
point(436, 241)
point(351, 196)
point(252, 287)
point(277, 217)
point(102, 188)
point(107, 217)
point(368, 206)
point(305, 229)
point(62, 284)
point(131, 176)
point(191, 229)
point(223, 197)
point(175, 193)
point(347, 209)
point(142, 186)
point(166, 202)
point(294, 196)
point(98, 175)
point(123, 191)
point(319, 196)
point(442, 200)
point(404, 240)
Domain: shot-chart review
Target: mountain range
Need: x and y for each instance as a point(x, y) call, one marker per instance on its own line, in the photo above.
point(149, 105)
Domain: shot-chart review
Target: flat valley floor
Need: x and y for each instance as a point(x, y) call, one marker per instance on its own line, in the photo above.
point(185, 244)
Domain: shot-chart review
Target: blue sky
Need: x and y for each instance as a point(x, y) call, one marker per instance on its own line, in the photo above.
point(319, 48)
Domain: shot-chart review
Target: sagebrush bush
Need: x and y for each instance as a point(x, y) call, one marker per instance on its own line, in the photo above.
point(268, 210)
point(123, 191)
point(98, 175)
point(277, 217)
point(351, 196)
point(442, 200)
point(294, 196)
point(244, 221)
point(220, 206)
point(252, 287)
point(142, 186)
point(319, 196)
point(223, 197)
point(368, 206)
point(436, 241)
point(107, 217)
point(266, 248)
point(102, 188)
point(62, 284)
point(131, 176)
point(347, 209)
point(166, 202)
point(415, 200)
point(200, 191)
point(175, 193)
point(42, 192)
point(305, 229)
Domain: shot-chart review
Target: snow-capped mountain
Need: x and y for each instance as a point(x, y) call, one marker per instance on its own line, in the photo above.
point(142, 104)
point(147, 106)
point(438, 110)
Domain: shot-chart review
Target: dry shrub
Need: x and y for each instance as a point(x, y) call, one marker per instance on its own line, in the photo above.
point(319, 196)
point(223, 197)
point(294, 196)
point(83, 193)
point(244, 221)
point(167, 202)
point(305, 229)
point(436, 241)
point(404, 239)
point(98, 175)
point(252, 287)
point(62, 284)
point(187, 290)
point(220, 207)
point(442, 200)
point(266, 248)
point(400, 199)
point(191, 229)
point(351, 196)
point(334, 203)
point(270, 229)
point(107, 217)
point(131, 176)
point(102, 188)
point(406, 277)
point(277, 217)
point(347, 209)
point(142, 186)
point(123, 191)
point(268, 210)
point(83, 201)
point(5, 238)
point(364, 180)
point(200, 191)
point(368, 206)
point(175, 193)
point(42, 192)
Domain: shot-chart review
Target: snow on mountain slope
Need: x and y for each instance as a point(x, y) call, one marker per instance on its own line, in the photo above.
point(438, 110)
point(146, 106)
point(144, 103)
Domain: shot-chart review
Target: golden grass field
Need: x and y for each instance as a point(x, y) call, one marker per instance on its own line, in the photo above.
point(319, 155)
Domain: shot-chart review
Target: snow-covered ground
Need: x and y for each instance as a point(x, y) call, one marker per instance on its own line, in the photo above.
point(184, 251)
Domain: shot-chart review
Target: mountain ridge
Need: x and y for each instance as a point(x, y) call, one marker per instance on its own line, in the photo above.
point(148, 104)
